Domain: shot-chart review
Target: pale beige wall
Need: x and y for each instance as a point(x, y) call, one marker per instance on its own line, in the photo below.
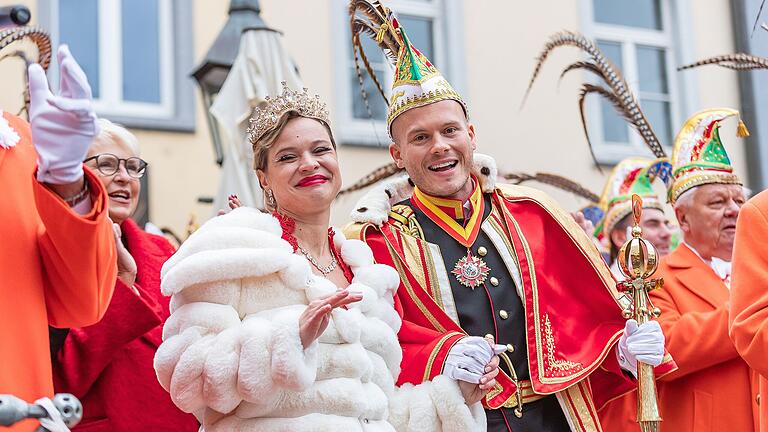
point(501, 41)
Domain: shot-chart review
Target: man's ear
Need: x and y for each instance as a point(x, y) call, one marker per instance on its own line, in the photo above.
point(394, 151)
point(682, 219)
point(471, 132)
point(618, 237)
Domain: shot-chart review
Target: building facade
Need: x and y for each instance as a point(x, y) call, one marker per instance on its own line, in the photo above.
point(139, 54)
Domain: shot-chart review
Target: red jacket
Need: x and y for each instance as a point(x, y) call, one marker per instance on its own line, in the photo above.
point(109, 365)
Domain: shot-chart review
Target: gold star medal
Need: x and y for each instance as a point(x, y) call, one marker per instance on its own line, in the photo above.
point(471, 271)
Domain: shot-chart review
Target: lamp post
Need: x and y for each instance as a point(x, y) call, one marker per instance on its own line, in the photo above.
point(213, 70)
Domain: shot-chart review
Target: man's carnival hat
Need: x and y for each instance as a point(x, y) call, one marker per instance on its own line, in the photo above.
point(698, 155)
point(630, 176)
point(417, 82)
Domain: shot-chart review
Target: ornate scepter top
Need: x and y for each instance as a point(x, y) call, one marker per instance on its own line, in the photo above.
point(638, 258)
point(638, 261)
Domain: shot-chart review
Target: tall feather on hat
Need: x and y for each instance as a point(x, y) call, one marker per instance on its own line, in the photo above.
point(616, 90)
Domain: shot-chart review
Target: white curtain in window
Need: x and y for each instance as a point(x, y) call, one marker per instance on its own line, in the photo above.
point(260, 67)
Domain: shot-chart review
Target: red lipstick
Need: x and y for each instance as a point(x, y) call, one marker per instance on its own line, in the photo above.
point(313, 180)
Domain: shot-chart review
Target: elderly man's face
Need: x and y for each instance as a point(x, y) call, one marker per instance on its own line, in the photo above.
point(708, 219)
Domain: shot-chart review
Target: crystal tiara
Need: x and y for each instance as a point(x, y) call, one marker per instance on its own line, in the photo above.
point(266, 117)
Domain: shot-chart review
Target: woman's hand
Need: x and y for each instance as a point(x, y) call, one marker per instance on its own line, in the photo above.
point(126, 265)
point(314, 320)
point(233, 202)
point(474, 393)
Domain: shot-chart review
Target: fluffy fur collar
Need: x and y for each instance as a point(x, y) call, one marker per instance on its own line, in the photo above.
point(375, 205)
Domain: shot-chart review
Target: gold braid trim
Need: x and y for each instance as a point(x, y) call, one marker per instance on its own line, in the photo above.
point(403, 218)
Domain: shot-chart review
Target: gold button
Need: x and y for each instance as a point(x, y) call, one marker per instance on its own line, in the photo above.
point(510, 348)
point(503, 314)
point(482, 251)
point(757, 398)
point(494, 281)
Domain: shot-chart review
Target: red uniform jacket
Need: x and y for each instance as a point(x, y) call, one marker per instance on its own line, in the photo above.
point(573, 317)
point(109, 365)
point(749, 294)
point(56, 267)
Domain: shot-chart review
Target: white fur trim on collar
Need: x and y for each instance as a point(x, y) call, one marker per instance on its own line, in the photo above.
point(375, 205)
point(8, 136)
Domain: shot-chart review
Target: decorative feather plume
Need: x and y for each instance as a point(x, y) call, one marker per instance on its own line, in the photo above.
point(42, 47)
point(371, 18)
point(375, 176)
point(38, 37)
point(757, 18)
point(616, 89)
point(738, 62)
point(555, 180)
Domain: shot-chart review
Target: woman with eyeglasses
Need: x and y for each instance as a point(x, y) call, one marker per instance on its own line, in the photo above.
point(108, 366)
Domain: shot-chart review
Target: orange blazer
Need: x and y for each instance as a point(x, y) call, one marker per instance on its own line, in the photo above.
point(713, 388)
point(749, 293)
point(56, 267)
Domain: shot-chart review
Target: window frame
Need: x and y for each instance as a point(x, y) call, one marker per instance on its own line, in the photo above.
point(672, 38)
point(175, 112)
point(444, 14)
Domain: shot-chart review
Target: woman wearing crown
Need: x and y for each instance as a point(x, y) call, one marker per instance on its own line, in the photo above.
point(280, 324)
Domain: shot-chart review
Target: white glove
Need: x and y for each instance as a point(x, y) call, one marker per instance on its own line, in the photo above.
point(63, 125)
point(466, 361)
point(643, 343)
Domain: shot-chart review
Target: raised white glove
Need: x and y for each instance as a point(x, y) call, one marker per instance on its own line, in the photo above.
point(467, 359)
point(643, 343)
point(63, 125)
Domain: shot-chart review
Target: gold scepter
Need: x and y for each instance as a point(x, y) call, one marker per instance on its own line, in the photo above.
point(638, 261)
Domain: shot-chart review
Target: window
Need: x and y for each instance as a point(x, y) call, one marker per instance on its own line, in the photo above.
point(637, 36)
point(425, 21)
point(135, 61)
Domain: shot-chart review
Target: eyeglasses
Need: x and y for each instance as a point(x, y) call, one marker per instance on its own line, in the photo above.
point(108, 164)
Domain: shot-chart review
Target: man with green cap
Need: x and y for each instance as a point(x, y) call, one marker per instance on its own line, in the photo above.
point(480, 261)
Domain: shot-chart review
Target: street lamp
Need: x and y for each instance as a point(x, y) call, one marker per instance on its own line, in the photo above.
point(212, 72)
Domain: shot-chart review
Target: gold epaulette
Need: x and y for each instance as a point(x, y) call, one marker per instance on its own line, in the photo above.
point(403, 218)
point(355, 230)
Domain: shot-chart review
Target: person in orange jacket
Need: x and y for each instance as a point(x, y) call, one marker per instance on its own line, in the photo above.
point(713, 388)
point(58, 257)
point(749, 298)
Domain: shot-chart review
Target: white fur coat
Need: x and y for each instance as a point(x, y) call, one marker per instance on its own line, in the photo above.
point(232, 353)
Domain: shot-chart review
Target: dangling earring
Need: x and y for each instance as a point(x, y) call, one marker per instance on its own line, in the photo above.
point(270, 198)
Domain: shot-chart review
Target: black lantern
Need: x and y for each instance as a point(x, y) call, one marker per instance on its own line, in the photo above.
point(212, 72)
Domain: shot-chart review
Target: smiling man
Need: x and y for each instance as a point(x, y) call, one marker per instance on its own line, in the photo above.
point(713, 389)
point(479, 261)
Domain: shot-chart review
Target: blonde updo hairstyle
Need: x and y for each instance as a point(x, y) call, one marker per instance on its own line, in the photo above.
point(262, 145)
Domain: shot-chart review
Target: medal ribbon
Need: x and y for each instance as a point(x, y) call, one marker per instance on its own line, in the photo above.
point(432, 207)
